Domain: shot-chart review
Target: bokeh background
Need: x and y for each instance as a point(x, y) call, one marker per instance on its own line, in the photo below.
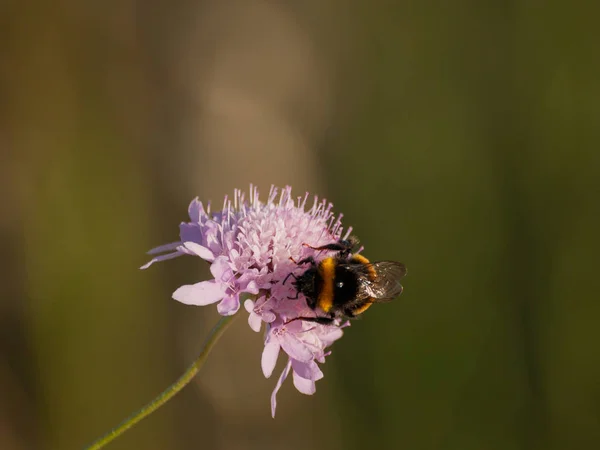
point(461, 138)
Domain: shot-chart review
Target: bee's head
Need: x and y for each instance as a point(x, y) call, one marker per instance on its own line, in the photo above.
point(350, 243)
point(346, 246)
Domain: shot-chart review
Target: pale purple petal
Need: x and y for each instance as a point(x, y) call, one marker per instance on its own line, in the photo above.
point(246, 277)
point(195, 210)
point(330, 334)
point(254, 318)
point(309, 371)
point(303, 385)
point(220, 267)
point(190, 232)
point(297, 328)
point(255, 322)
point(164, 248)
point(269, 357)
point(199, 250)
point(249, 306)
point(200, 294)
point(251, 288)
point(229, 305)
point(296, 348)
point(321, 358)
point(268, 316)
point(282, 378)
point(161, 258)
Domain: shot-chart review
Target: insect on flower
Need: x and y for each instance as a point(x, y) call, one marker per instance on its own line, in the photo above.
point(251, 247)
point(346, 285)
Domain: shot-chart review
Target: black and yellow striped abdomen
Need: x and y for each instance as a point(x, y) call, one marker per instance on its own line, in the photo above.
point(338, 285)
point(326, 273)
point(360, 308)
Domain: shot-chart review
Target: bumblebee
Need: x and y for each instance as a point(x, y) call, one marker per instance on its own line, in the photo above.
point(345, 285)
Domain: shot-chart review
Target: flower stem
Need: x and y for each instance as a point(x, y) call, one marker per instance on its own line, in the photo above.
point(170, 392)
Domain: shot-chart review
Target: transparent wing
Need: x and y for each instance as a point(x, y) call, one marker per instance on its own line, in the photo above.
point(379, 280)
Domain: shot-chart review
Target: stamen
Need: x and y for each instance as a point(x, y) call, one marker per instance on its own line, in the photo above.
point(303, 202)
point(348, 231)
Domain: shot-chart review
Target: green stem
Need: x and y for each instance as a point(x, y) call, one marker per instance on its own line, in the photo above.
point(170, 392)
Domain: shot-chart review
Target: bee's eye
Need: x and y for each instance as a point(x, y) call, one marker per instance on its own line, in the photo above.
point(339, 284)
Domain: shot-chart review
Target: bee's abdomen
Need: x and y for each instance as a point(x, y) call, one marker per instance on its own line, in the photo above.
point(360, 259)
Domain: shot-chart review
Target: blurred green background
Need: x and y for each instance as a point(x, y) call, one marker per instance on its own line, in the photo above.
point(461, 138)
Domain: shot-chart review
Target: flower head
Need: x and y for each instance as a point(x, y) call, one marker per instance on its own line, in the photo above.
point(251, 246)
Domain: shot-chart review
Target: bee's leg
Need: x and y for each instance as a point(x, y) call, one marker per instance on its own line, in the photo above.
point(296, 297)
point(310, 260)
point(343, 247)
point(319, 320)
point(336, 246)
point(290, 275)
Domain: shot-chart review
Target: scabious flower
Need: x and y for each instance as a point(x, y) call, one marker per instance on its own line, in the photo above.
point(250, 246)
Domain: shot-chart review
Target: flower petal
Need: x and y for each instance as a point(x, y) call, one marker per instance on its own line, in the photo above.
point(203, 293)
point(199, 250)
point(190, 232)
point(251, 288)
point(164, 248)
point(220, 267)
point(195, 210)
point(269, 357)
point(249, 305)
point(268, 316)
point(308, 371)
point(255, 322)
point(303, 385)
point(282, 378)
point(229, 305)
point(329, 334)
point(296, 348)
point(161, 258)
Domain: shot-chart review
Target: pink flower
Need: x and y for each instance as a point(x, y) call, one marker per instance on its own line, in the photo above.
point(249, 245)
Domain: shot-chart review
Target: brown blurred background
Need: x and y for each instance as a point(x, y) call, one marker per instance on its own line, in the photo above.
point(461, 138)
